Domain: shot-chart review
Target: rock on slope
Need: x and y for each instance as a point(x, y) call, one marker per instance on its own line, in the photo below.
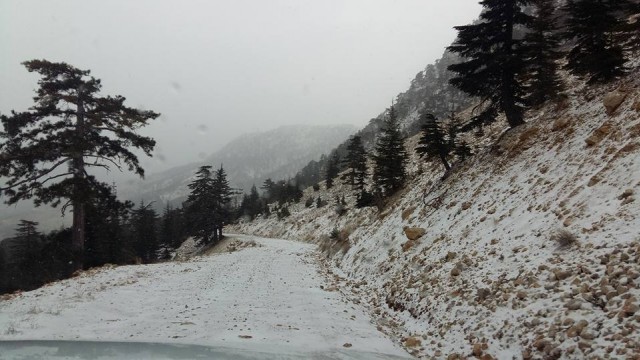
point(487, 279)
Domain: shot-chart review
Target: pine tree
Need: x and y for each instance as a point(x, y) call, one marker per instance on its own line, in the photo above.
point(390, 158)
point(201, 205)
point(105, 241)
point(269, 188)
point(332, 169)
point(251, 204)
point(144, 232)
point(171, 231)
point(434, 142)
point(542, 54)
point(595, 55)
point(494, 61)
point(70, 126)
point(4, 271)
point(356, 162)
point(26, 255)
point(222, 193)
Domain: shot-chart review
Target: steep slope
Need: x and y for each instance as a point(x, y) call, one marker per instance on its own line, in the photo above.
point(430, 89)
point(487, 277)
point(248, 160)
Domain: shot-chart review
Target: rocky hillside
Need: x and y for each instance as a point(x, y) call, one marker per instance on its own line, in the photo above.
point(529, 249)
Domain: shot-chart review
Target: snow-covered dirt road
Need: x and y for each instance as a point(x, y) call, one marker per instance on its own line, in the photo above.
point(268, 296)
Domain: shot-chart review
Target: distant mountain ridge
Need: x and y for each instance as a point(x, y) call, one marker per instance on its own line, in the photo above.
point(249, 159)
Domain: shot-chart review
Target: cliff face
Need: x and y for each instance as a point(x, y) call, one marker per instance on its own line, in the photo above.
point(529, 248)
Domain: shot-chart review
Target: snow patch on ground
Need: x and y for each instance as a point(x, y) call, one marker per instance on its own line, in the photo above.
point(271, 295)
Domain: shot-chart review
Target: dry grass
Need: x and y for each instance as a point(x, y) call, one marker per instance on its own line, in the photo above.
point(564, 238)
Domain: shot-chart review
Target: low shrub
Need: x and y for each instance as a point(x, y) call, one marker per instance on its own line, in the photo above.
point(564, 238)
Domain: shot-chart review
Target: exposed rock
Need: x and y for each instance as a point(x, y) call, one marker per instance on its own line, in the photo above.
point(412, 341)
point(573, 304)
point(406, 213)
point(450, 256)
point(560, 123)
point(613, 100)
point(477, 350)
point(599, 134)
point(455, 271)
point(561, 274)
point(465, 205)
point(408, 245)
point(629, 308)
point(347, 345)
point(414, 233)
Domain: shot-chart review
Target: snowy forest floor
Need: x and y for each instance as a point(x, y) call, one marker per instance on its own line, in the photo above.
point(274, 295)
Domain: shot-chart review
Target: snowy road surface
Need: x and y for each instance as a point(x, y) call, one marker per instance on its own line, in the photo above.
point(268, 296)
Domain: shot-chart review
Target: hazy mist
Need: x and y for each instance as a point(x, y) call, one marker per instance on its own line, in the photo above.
point(217, 69)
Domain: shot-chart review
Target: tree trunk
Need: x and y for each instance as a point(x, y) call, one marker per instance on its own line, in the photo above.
point(508, 88)
point(443, 157)
point(78, 226)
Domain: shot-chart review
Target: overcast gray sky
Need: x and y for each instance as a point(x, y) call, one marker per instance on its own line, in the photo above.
point(217, 69)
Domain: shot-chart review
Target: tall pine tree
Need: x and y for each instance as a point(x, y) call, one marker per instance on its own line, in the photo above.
point(390, 158)
point(542, 54)
point(356, 162)
point(46, 152)
point(332, 169)
point(433, 141)
point(596, 54)
point(494, 61)
point(144, 232)
point(222, 193)
point(201, 205)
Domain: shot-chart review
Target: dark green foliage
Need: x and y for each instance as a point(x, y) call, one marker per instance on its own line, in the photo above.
point(4, 271)
point(31, 259)
point(201, 205)
point(309, 202)
point(335, 233)
point(493, 61)
point(356, 162)
point(320, 203)
point(390, 158)
point(283, 212)
point(251, 205)
point(364, 199)
point(434, 142)
point(26, 249)
point(543, 80)
point(341, 206)
point(106, 237)
point(462, 150)
point(311, 173)
point(222, 194)
point(316, 187)
point(144, 232)
point(281, 191)
point(45, 152)
point(172, 231)
point(208, 205)
point(332, 169)
point(596, 54)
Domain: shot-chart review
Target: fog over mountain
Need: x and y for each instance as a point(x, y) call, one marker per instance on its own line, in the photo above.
point(248, 160)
